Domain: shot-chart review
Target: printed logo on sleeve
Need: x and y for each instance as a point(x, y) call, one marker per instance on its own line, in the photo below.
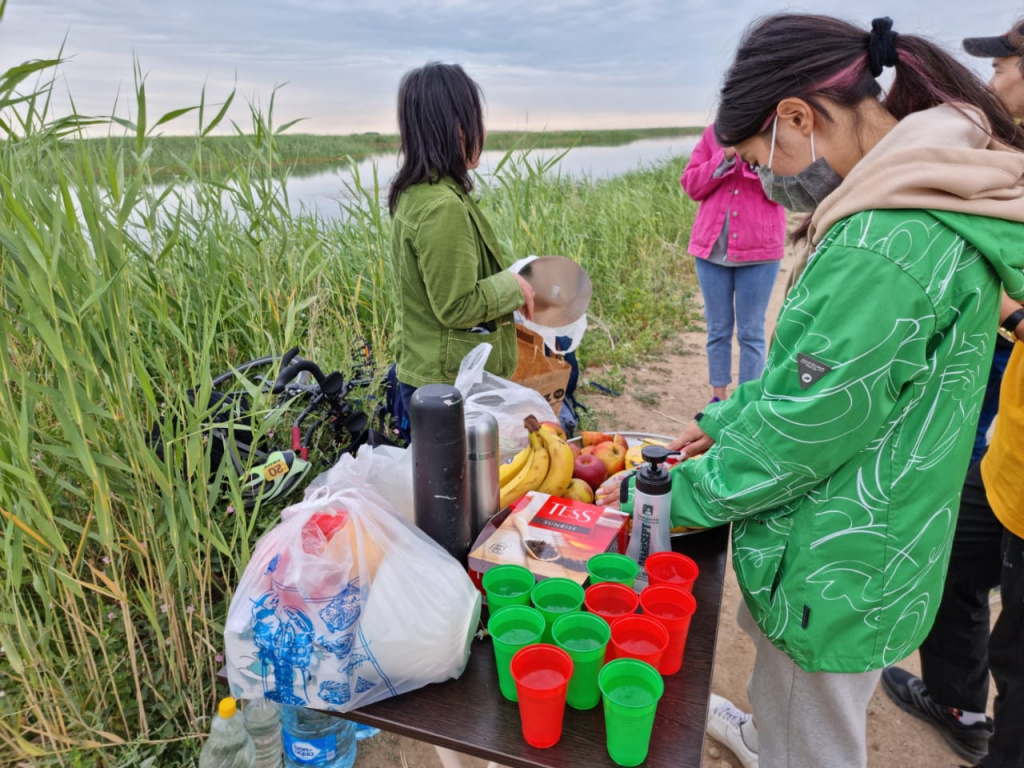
point(810, 369)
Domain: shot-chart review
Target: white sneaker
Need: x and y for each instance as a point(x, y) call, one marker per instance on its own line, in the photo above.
point(725, 722)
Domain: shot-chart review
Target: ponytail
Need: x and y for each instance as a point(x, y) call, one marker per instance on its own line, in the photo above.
point(927, 76)
point(819, 57)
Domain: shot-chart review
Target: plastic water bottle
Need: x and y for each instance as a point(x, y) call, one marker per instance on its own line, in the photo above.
point(314, 738)
point(364, 732)
point(263, 722)
point(229, 746)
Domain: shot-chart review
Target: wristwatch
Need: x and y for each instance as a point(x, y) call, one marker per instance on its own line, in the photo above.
point(1009, 326)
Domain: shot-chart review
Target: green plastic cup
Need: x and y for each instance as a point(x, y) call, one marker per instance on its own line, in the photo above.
point(553, 597)
point(612, 567)
point(507, 585)
point(631, 690)
point(584, 637)
point(512, 629)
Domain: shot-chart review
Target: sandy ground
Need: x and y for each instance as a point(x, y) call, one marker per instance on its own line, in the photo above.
point(663, 396)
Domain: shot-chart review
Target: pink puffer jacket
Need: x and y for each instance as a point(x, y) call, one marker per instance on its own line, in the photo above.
point(757, 226)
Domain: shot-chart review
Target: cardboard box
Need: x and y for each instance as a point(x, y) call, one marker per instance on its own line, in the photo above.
point(547, 375)
point(576, 530)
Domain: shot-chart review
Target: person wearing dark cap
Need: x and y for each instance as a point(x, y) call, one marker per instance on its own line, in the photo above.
point(988, 548)
point(1007, 83)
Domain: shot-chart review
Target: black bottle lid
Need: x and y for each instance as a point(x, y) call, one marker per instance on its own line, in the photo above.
point(651, 477)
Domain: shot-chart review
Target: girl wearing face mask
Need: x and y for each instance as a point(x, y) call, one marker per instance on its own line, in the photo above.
point(737, 240)
point(840, 468)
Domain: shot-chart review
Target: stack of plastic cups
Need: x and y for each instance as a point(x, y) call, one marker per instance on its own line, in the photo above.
point(507, 585)
point(553, 597)
point(584, 637)
point(631, 690)
point(672, 608)
point(542, 674)
point(511, 629)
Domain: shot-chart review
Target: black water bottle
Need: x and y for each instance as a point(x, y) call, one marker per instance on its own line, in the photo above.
point(439, 485)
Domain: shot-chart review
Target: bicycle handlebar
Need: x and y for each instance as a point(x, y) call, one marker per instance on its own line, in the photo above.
point(292, 366)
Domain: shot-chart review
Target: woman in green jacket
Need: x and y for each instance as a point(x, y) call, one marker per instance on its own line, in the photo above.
point(841, 467)
point(452, 288)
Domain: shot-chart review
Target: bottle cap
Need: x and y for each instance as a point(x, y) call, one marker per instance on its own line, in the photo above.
point(227, 708)
point(651, 477)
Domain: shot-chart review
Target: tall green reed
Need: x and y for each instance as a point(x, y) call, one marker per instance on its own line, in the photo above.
point(118, 296)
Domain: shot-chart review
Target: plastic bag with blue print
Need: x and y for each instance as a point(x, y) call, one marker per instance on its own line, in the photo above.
point(344, 603)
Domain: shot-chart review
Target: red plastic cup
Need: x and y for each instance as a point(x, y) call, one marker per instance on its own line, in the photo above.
point(610, 600)
point(638, 637)
point(671, 568)
point(672, 607)
point(542, 675)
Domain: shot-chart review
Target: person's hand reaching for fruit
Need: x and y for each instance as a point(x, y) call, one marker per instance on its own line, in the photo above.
point(692, 442)
point(607, 494)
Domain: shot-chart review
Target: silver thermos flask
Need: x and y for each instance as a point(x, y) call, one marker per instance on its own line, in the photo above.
point(482, 452)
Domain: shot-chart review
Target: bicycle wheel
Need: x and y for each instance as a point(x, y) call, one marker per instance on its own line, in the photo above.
point(253, 429)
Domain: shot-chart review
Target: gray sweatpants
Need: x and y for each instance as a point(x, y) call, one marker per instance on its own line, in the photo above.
point(805, 719)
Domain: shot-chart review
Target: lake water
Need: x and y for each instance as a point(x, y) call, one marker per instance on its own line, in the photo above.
point(323, 193)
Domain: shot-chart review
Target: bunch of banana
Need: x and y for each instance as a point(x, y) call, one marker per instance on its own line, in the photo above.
point(544, 465)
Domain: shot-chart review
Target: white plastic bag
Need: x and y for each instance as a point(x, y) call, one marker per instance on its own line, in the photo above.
point(386, 467)
point(344, 604)
point(509, 403)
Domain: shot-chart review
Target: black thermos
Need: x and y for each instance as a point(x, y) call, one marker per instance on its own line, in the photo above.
point(439, 484)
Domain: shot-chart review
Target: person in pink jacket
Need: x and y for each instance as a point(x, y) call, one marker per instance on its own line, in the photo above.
point(738, 241)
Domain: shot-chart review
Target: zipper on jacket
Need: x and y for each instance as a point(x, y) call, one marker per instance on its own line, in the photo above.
point(807, 615)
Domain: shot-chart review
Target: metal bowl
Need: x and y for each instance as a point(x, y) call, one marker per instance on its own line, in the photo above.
point(632, 438)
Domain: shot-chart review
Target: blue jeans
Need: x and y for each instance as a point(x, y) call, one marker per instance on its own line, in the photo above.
point(749, 288)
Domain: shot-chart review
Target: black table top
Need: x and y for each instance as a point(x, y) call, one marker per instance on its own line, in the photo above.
point(469, 715)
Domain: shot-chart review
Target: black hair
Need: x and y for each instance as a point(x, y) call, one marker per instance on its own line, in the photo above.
point(819, 57)
point(440, 120)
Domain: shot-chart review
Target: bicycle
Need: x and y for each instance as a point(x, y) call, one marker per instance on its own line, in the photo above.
point(250, 399)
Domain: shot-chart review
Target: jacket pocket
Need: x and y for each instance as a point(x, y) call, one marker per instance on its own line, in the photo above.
point(458, 344)
point(759, 556)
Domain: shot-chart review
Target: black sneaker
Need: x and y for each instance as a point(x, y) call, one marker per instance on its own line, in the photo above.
point(910, 694)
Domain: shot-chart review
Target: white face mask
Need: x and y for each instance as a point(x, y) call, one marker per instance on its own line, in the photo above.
point(804, 191)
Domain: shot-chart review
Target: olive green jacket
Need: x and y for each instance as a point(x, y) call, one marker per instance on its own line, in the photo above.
point(449, 278)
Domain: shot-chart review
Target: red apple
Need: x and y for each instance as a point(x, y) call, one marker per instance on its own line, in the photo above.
point(587, 450)
point(576, 450)
point(590, 470)
point(613, 456)
point(554, 428)
point(579, 490)
point(593, 438)
point(620, 440)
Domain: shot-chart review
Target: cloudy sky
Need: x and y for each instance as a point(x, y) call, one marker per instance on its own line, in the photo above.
point(542, 63)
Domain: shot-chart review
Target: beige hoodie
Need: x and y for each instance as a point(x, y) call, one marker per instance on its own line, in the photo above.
point(937, 159)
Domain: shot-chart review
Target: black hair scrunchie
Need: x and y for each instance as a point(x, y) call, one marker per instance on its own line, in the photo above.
point(882, 46)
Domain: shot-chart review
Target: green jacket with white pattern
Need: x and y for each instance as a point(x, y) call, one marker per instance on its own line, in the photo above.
point(841, 467)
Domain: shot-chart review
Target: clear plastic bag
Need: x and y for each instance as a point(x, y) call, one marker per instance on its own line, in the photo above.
point(343, 604)
point(509, 403)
